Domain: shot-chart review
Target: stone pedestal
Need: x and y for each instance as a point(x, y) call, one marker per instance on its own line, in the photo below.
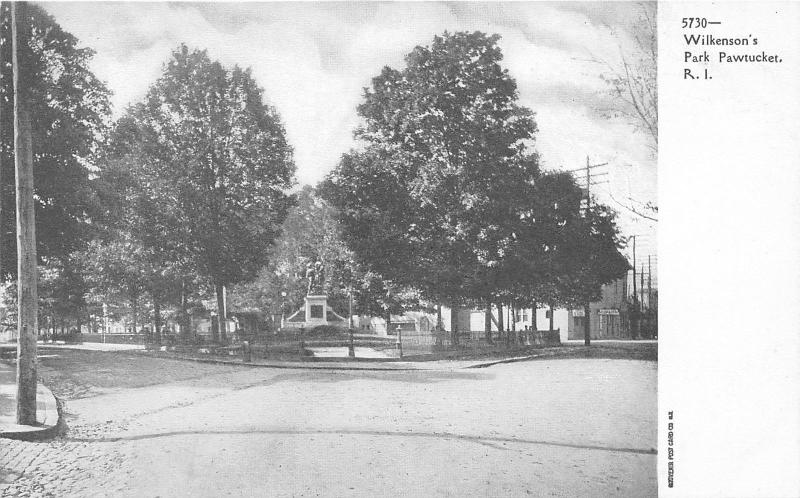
point(316, 310)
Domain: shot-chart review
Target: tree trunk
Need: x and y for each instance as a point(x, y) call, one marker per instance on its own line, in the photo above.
point(487, 321)
point(508, 326)
point(439, 317)
point(185, 319)
point(222, 313)
point(388, 318)
point(454, 324)
point(552, 312)
point(215, 329)
point(514, 337)
point(135, 309)
point(500, 326)
point(156, 319)
point(586, 324)
point(27, 300)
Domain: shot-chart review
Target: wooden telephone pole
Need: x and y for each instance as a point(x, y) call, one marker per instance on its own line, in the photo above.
point(27, 326)
point(589, 179)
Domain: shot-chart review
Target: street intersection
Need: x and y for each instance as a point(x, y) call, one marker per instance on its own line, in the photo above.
point(144, 426)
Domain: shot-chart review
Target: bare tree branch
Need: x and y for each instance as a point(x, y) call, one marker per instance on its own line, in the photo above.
point(633, 83)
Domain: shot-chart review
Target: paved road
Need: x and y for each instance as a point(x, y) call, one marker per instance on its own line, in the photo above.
point(158, 427)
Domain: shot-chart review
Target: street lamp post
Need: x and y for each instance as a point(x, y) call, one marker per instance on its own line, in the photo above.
point(400, 341)
point(283, 309)
point(351, 352)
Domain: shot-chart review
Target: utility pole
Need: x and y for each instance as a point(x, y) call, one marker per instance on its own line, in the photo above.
point(587, 308)
point(650, 322)
point(588, 181)
point(635, 292)
point(26, 229)
point(589, 178)
point(649, 284)
point(588, 171)
point(2, 194)
point(635, 313)
point(641, 285)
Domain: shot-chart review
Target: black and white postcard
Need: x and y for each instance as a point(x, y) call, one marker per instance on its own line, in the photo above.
point(410, 249)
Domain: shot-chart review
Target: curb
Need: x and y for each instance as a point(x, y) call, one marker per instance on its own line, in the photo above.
point(307, 364)
point(52, 408)
point(297, 366)
point(301, 366)
point(506, 360)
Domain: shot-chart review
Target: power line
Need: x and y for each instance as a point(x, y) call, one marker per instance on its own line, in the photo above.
point(585, 167)
point(594, 175)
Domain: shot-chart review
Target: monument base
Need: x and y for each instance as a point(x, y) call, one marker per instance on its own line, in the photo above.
point(315, 312)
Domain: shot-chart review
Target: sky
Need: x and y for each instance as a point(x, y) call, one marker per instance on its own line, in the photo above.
point(314, 59)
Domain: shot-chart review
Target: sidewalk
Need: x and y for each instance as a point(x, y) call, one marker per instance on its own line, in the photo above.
point(93, 346)
point(333, 363)
point(336, 363)
point(46, 409)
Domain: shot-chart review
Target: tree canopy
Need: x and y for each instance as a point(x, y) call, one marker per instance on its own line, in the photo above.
point(206, 169)
point(69, 112)
point(446, 194)
point(427, 203)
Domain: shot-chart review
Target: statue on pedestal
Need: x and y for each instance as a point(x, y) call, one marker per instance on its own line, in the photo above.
point(315, 274)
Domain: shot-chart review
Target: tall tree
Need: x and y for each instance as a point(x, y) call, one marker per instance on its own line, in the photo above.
point(210, 169)
point(62, 293)
point(633, 87)
point(591, 258)
point(428, 202)
point(633, 80)
point(120, 270)
point(69, 113)
point(529, 272)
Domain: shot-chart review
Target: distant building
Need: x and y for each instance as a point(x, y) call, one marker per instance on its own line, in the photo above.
point(410, 322)
point(470, 322)
point(609, 317)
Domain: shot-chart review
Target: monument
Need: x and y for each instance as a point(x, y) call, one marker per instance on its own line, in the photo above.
point(315, 311)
